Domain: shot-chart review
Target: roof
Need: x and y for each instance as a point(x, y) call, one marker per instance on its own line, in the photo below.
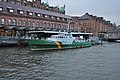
point(62, 9)
point(86, 17)
point(58, 32)
point(5, 5)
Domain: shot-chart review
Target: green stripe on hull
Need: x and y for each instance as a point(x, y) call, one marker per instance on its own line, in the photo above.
point(47, 45)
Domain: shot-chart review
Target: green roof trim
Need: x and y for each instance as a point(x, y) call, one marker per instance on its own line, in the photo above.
point(62, 9)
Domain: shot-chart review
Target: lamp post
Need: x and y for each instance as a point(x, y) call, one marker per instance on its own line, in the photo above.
point(101, 38)
point(69, 21)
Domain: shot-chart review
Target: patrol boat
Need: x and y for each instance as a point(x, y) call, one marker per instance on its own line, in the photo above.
point(63, 40)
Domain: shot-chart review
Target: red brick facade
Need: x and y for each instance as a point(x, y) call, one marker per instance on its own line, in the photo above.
point(92, 24)
point(45, 20)
point(36, 14)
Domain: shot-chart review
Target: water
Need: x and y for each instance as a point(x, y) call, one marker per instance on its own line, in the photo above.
point(101, 62)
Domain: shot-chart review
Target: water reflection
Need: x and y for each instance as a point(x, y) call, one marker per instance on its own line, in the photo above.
point(94, 63)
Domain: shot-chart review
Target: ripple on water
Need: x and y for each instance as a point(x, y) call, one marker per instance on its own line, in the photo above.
point(99, 62)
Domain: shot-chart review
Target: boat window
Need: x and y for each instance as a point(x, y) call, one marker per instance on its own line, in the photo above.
point(61, 36)
point(33, 36)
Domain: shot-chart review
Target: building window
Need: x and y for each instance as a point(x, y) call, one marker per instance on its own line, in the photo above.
point(18, 2)
point(12, 2)
point(55, 17)
point(48, 25)
point(5, 0)
point(29, 13)
point(29, 23)
point(37, 14)
point(56, 25)
point(52, 25)
point(81, 28)
point(46, 16)
point(89, 28)
point(24, 4)
point(20, 22)
point(1, 9)
point(2, 21)
point(65, 27)
point(9, 22)
point(41, 24)
point(24, 23)
point(10, 10)
point(20, 11)
point(52, 17)
point(37, 24)
point(45, 25)
point(58, 18)
point(14, 22)
point(62, 27)
point(33, 24)
point(59, 26)
point(63, 19)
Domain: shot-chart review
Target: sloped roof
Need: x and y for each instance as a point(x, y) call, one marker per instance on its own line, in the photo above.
point(117, 29)
point(86, 16)
point(26, 8)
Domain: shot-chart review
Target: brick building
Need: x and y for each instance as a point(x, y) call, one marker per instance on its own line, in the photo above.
point(114, 34)
point(23, 15)
point(91, 24)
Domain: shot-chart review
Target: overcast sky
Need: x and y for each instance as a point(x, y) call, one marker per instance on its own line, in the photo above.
point(109, 9)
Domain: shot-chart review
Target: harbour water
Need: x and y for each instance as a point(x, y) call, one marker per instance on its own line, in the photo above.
point(101, 62)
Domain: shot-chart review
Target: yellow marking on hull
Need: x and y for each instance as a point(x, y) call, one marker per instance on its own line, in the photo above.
point(59, 45)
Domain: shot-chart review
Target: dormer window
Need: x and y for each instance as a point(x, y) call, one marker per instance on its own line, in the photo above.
point(11, 10)
point(52, 17)
point(58, 18)
point(5, 0)
point(1, 9)
point(38, 14)
point(29, 13)
point(46, 16)
point(20, 11)
point(63, 19)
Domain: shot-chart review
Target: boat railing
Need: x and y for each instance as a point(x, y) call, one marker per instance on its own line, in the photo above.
point(11, 38)
point(8, 37)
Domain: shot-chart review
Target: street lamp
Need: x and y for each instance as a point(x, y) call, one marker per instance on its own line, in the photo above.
point(69, 21)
